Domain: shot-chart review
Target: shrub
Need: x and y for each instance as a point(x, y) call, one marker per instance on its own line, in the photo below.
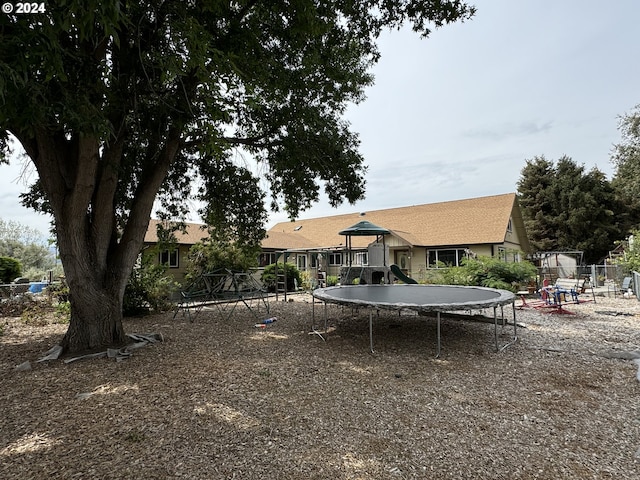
point(10, 269)
point(490, 272)
point(149, 288)
point(630, 261)
point(63, 312)
point(306, 280)
point(432, 276)
point(212, 256)
point(332, 280)
point(268, 276)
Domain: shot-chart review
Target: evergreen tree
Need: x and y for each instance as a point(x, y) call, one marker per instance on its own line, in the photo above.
point(537, 203)
point(567, 209)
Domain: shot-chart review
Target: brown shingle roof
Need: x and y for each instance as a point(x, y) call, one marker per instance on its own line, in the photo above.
point(472, 221)
point(195, 232)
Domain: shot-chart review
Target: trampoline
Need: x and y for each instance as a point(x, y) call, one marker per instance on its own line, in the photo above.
point(421, 299)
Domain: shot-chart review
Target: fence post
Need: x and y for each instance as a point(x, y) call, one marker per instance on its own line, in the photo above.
point(636, 280)
point(594, 275)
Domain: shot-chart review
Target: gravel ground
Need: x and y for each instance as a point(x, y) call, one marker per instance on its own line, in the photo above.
point(221, 399)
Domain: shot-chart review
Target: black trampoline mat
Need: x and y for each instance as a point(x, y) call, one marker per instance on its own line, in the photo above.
point(417, 297)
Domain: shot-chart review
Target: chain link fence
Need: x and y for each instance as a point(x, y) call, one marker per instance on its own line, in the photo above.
point(610, 277)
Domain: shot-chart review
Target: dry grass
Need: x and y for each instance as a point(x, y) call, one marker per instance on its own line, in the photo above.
point(222, 399)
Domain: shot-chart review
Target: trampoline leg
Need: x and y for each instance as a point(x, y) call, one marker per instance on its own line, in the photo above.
point(495, 328)
point(515, 328)
point(371, 331)
point(438, 338)
point(325, 320)
point(313, 319)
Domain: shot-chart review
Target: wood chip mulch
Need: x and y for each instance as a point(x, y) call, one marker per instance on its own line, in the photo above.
point(222, 399)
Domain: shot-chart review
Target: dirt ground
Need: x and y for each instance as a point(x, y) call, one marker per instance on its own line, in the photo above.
point(222, 399)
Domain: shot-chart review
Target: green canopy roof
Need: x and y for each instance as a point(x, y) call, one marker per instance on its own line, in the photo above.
point(363, 229)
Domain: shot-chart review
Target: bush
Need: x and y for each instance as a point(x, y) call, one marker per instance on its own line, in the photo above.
point(212, 256)
point(268, 276)
point(10, 269)
point(630, 261)
point(332, 280)
point(149, 288)
point(63, 312)
point(306, 280)
point(432, 276)
point(490, 272)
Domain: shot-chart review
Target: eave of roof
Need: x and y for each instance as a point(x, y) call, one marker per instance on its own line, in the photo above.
point(195, 233)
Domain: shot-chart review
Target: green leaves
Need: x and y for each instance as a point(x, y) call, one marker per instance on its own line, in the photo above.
point(120, 104)
point(10, 269)
point(233, 202)
point(630, 259)
point(274, 78)
point(626, 158)
point(566, 208)
point(490, 272)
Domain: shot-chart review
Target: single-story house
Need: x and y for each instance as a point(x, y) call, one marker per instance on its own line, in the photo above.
point(175, 258)
point(422, 237)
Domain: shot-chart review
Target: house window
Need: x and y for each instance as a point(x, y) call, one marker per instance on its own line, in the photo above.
point(361, 258)
point(335, 258)
point(508, 255)
point(267, 258)
point(449, 257)
point(302, 262)
point(313, 260)
point(510, 226)
point(169, 258)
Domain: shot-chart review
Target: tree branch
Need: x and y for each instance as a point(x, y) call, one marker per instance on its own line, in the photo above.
point(151, 179)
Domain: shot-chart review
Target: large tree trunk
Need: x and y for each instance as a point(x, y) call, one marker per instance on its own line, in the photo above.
point(80, 178)
point(97, 276)
point(96, 317)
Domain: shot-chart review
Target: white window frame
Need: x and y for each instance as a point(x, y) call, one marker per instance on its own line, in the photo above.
point(459, 256)
point(301, 261)
point(361, 258)
point(270, 257)
point(332, 258)
point(172, 258)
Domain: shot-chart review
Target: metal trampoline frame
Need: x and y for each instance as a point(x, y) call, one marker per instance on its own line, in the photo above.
point(358, 298)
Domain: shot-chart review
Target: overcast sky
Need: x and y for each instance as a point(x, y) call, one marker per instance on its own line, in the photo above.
point(456, 115)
